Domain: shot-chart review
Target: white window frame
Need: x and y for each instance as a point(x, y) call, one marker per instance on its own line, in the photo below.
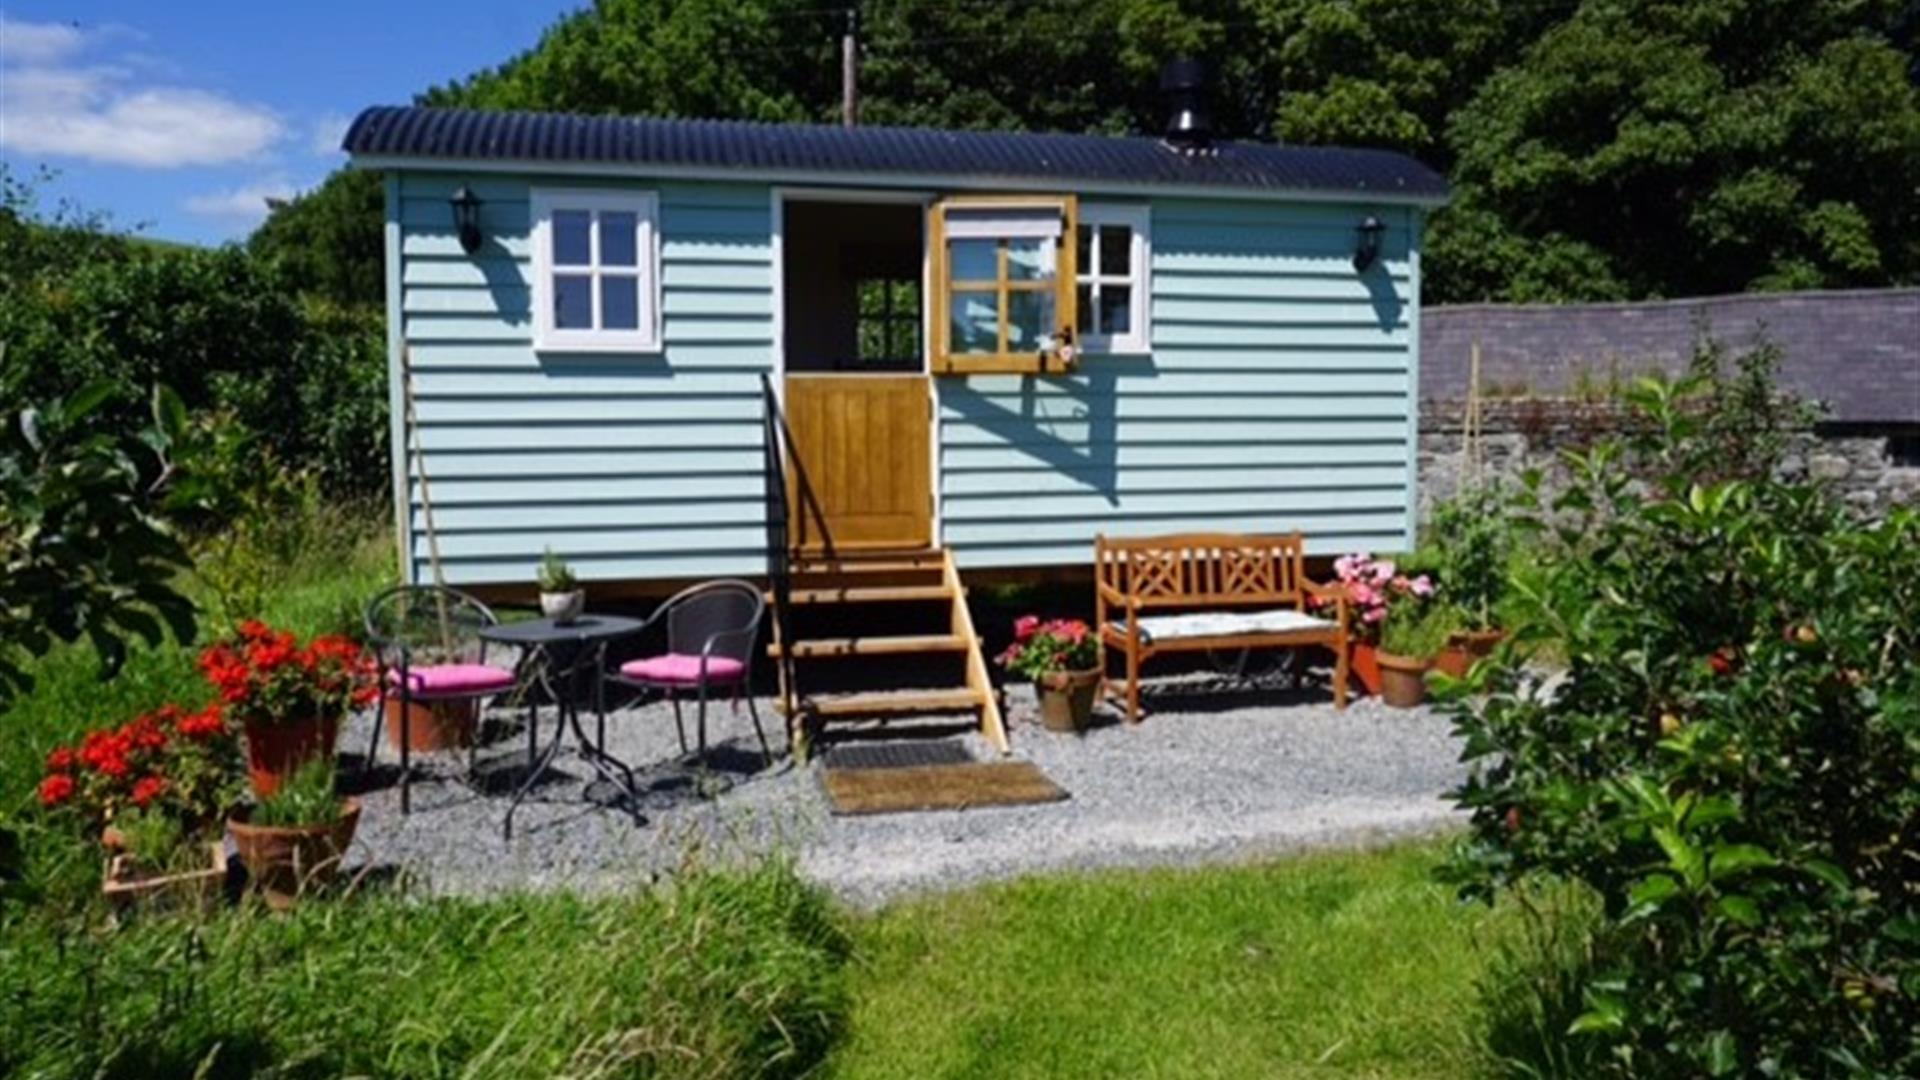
point(1138, 219)
point(645, 207)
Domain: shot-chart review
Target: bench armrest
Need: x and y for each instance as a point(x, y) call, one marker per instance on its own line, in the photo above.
point(1334, 592)
point(1113, 596)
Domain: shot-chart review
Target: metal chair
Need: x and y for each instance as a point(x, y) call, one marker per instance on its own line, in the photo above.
point(711, 630)
point(427, 638)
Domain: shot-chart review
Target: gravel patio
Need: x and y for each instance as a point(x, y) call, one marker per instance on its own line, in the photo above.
point(1215, 774)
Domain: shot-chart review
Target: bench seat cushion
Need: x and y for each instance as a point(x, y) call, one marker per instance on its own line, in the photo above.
point(1224, 624)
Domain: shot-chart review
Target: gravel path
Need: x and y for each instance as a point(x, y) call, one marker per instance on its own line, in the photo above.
point(1212, 775)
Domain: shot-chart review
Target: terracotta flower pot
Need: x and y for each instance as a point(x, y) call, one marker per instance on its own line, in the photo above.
point(1403, 679)
point(433, 725)
point(275, 749)
point(281, 862)
point(1066, 699)
point(1364, 663)
point(1464, 647)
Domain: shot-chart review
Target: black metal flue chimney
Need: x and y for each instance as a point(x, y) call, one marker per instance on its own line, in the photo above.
point(1183, 85)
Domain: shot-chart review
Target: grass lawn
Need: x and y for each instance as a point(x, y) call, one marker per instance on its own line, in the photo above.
point(1338, 964)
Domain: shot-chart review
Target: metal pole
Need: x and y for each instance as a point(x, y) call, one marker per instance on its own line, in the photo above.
point(850, 70)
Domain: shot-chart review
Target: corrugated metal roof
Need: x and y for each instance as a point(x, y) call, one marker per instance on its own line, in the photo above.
point(731, 146)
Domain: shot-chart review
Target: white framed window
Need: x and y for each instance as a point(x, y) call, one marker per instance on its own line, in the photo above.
point(596, 270)
point(1111, 275)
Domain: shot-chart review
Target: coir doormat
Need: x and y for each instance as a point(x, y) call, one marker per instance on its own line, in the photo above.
point(938, 787)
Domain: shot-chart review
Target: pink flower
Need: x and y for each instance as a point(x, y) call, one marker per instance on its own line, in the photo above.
point(1374, 615)
point(1025, 626)
point(1421, 586)
point(1383, 571)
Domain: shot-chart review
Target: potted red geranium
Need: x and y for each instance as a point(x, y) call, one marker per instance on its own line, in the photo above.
point(288, 698)
point(157, 788)
point(1062, 658)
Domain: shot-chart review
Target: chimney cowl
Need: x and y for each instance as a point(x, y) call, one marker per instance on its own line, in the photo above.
point(1183, 87)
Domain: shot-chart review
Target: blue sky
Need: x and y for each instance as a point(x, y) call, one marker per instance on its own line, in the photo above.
point(184, 116)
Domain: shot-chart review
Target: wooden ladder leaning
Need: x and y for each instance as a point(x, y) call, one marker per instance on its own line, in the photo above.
point(852, 584)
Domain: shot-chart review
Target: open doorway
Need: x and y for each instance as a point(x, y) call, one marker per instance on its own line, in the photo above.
point(852, 287)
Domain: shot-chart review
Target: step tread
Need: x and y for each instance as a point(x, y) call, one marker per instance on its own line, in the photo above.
point(873, 702)
point(862, 569)
point(850, 594)
point(874, 646)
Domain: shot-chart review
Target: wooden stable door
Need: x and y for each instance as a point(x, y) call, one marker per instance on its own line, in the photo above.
point(865, 468)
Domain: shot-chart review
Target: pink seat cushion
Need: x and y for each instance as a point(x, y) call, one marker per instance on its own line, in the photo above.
point(454, 680)
point(679, 669)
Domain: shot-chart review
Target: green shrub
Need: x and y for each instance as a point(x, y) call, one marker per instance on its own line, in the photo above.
point(227, 330)
point(721, 974)
point(1730, 761)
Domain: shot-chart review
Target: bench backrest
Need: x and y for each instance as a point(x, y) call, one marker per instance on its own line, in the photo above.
point(1204, 569)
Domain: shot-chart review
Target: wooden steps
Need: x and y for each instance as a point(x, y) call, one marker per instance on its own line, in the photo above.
point(880, 588)
point(857, 594)
point(892, 702)
point(875, 646)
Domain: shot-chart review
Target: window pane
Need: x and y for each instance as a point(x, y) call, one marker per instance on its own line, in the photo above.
point(903, 340)
point(1030, 321)
point(1084, 310)
point(973, 260)
point(572, 233)
point(1083, 249)
point(1029, 259)
point(906, 298)
point(872, 341)
point(572, 302)
point(619, 239)
point(1116, 249)
point(974, 322)
point(619, 302)
point(1116, 309)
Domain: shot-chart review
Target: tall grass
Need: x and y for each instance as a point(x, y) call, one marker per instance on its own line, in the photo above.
point(724, 974)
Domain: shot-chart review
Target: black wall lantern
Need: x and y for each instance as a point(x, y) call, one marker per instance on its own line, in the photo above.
point(1366, 248)
point(466, 218)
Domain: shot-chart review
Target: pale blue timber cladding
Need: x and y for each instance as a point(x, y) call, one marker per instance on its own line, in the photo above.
point(1279, 395)
point(632, 466)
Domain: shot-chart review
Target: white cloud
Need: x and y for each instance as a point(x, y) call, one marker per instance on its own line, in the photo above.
point(98, 113)
point(245, 205)
point(37, 43)
point(328, 130)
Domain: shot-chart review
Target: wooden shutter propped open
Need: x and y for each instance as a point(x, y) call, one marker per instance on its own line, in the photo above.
point(1004, 297)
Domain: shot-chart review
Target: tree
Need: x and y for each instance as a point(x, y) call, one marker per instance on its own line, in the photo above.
point(1676, 147)
point(330, 242)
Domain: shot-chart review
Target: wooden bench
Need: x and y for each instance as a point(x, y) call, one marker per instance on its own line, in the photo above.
point(1235, 591)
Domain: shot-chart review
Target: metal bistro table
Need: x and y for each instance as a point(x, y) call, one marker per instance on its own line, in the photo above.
point(540, 640)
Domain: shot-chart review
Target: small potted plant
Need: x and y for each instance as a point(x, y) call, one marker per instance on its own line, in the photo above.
point(1472, 545)
point(296, 837)
point(561, 597)
point(1373, 587)
point(288, 698)
point(156, 788)
point(1412, 635)
point(1062, 657)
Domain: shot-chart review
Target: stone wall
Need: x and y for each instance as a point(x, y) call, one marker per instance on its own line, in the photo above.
point(1855, 352)
point(1529, 433)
